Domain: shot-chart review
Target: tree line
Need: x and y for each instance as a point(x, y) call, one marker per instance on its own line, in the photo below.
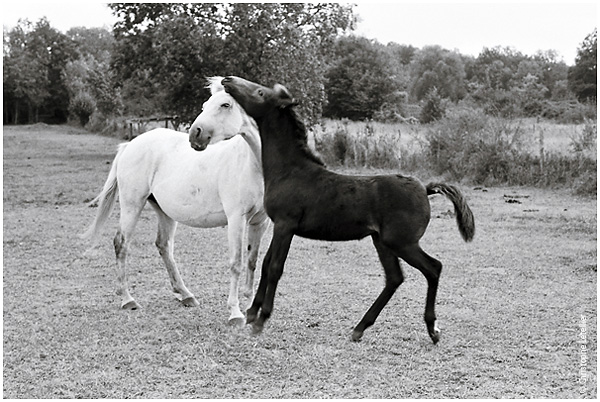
point(155, 59)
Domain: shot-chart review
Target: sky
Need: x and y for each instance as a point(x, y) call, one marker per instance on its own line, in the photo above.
point(467, 27)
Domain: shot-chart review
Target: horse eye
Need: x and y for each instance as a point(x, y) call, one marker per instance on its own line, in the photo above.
point(226, 105)
point(260, 92)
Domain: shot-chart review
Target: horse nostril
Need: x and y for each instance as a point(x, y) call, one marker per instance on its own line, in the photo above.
point(198, 131)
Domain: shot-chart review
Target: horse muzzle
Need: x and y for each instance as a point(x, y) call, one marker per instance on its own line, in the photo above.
point(199, 139)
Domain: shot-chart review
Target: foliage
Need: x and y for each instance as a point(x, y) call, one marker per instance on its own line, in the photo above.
point(34, 58)
point(82, 105)
point(439, 68)
point(165, 51)
point(583, 75)
point(433, 109)
point(469, 145)
point(358, 81)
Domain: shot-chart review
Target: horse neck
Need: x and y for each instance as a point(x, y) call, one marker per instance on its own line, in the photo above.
point(283, 144)
point(249, 133)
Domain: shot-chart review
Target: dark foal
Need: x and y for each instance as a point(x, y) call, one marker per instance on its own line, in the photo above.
point(303, 198)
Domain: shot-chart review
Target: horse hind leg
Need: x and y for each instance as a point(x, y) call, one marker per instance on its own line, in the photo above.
point(122, 240)
point(165, 242)
point(393, 279)
point(431, 269)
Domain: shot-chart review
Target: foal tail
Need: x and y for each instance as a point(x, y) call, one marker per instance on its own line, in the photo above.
point(105, 200)
point(464, 216)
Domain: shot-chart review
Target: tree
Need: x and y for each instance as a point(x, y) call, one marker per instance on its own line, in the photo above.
point(34, 58)
point(583, 75)
point(434, 67)
point(358, 82)
point(165, 51)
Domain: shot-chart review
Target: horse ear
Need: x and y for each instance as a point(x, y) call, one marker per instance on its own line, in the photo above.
point(284, 97)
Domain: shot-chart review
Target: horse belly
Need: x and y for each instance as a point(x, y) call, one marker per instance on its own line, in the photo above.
point(193, 208)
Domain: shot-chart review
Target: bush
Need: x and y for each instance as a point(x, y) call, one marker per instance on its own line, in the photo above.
point(362, 147)
point(82, 105)
point(469, 145)
point(433, 109)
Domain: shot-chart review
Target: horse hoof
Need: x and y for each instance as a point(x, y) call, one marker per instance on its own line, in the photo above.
point(250, 318)
point(236, 322)
point(131, 305)
point(257, 328)
point(357, 336)
point(435, 335)
point(190, 302)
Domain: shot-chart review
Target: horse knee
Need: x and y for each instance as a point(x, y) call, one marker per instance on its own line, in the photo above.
point(394, 281)
point(119, 243)
point(162, 245)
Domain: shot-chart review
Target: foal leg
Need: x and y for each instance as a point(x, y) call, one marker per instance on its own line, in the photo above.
point(165, 242)
point(431, 269)
point(252, 312)
point(393, 278)
point(280, 246)
point(255, 234)
point(235, 237)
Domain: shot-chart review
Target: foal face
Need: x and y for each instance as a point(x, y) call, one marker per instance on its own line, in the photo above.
point(257, 100)
point(221, 119)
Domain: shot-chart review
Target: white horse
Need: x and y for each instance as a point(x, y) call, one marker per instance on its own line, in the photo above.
point(223, 185)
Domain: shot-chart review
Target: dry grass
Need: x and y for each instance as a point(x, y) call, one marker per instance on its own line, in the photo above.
point(509, 303)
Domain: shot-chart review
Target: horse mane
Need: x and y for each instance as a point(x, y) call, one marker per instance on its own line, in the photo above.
point(299, 133)
point(214, 84)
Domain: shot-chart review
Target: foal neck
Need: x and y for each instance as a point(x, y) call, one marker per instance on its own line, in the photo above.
point(284, 142)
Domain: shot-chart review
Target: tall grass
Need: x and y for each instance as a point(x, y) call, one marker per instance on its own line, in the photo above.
point(469, 146)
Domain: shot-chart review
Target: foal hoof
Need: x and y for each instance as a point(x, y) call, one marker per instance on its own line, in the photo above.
point(257, 328)
point(357, 336)
point(435, 335)
point(131, 305)
point(236, 322)
point(190, 302)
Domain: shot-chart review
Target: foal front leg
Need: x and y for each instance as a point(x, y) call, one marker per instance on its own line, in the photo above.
point(279, 248)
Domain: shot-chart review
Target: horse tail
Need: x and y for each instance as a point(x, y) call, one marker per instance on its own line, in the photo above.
point(105, 200)
point(464, 216)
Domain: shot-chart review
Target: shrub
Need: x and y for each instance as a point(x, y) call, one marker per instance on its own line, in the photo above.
point(82, 105)
point(433, 109)
point(468, 145)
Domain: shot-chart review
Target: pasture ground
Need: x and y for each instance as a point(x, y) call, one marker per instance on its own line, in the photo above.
point(509, 304)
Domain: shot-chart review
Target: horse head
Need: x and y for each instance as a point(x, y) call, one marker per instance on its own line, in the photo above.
point(221, 118)
point(257, 100)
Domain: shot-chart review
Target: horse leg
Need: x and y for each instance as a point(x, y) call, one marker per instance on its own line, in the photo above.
point(393, 278)
point(280, 245)
point(255, 234)
point(431, 269)
point(130, 213)
point(235, 237)
point(165, 242)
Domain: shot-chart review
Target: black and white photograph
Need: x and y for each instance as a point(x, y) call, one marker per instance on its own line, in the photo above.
point(300, 200)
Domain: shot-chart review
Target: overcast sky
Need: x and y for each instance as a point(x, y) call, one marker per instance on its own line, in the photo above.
point(467, 27)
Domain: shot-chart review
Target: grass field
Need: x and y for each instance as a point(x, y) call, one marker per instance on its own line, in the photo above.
point(509, 304)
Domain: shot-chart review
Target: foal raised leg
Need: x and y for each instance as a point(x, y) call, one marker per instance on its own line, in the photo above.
point(393, 278)
point(165, 242)
point(431, 269)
